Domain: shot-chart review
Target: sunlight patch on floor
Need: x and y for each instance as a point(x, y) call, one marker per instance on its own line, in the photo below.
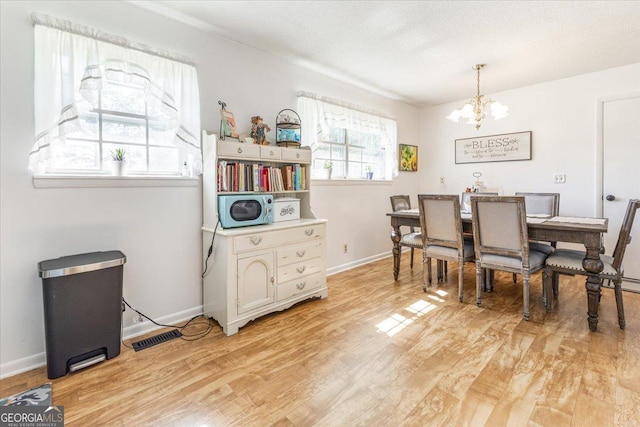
point(397, 322)
point(435, 298)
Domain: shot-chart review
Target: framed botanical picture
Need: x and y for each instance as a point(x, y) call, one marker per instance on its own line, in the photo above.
point(227, 124)
point(408, 155)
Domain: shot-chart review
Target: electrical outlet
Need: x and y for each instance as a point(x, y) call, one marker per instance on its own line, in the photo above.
point(346, 248)
point(559, 178)
point(137, 318)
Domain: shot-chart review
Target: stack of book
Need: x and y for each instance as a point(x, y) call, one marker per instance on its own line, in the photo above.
point(240, 176)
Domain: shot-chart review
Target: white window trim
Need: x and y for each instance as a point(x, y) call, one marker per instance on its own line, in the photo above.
point(320, 182)
point(112, 181)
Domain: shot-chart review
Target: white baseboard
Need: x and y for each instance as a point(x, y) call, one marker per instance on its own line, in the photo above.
point(357, 263)
point(37, 360)
point(22, 365)
point(147, 326)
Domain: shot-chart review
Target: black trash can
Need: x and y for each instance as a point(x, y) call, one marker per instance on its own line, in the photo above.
point(82, 309)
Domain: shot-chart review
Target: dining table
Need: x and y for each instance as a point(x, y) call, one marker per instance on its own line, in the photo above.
point(580, 230)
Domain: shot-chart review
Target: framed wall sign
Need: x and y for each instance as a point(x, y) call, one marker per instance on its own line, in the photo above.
point(494, 148)
point(408, 158)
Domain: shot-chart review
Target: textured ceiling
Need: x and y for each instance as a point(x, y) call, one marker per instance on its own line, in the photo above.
point(422, 52)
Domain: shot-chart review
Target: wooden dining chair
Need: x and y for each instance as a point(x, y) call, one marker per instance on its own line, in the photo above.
point(413, 239)
point(545, 205)
point(442, 238)
point(501, 241)
point(569, 261)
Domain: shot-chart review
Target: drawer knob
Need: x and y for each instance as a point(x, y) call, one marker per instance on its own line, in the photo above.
point(301, 253)
point(301, 269)
point(297, 155)
point(308, 232)
point(301, 286)
point(255, 240)
point(239, 150)
point(271, 153)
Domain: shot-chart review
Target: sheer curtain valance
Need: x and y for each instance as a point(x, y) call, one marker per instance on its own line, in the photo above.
point(320, 114)
point(73, 64)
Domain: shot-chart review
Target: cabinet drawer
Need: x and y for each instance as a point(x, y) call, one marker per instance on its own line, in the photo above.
point(296, 287)
point(234, 149)
point(300, 269)
point(296, 155)
point(293, 254)
point(268, 239)
point(270, 153)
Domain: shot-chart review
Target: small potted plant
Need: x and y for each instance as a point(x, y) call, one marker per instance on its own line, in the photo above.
point(369, 171)
point(328, 166)
point(119, 161)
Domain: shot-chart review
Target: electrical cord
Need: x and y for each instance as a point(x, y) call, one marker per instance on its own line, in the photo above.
point(190, 323)
point(206, 261)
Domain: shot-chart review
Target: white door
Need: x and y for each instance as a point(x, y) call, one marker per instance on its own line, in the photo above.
point(621, 178)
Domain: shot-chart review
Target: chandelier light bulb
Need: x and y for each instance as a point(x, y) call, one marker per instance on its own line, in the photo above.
point(476, 109)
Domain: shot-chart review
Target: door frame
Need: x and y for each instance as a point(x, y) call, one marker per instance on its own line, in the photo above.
point(599, 193)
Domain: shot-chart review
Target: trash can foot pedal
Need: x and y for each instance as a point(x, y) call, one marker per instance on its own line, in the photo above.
point(87, 362)
point(158, 339)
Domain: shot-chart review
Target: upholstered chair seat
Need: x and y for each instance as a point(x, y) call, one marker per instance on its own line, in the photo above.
point(541, 247)
point(435, 251)
point(569, 259)
point(536, 260)
point(412, 240)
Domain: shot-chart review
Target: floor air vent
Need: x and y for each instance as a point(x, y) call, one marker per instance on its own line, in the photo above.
point(158, 339)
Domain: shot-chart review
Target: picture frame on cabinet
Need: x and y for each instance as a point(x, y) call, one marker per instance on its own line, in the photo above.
point(228, 125)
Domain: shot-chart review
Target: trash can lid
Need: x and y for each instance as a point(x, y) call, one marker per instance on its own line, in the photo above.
point(82, 263)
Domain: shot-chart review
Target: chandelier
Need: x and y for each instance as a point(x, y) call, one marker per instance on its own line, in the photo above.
point(476, 109)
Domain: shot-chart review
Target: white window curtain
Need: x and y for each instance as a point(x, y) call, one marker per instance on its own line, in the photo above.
point(319, 114)
point(73, 63)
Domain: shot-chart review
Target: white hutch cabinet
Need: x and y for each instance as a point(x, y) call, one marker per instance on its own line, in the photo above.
point(256, 270)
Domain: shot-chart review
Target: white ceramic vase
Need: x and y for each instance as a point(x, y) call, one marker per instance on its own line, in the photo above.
point(119, 167)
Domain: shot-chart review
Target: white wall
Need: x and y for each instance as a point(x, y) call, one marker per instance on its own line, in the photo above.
point(562, 117)
point(157, 228)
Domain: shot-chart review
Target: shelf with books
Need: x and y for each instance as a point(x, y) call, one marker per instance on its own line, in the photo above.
point(248, 176)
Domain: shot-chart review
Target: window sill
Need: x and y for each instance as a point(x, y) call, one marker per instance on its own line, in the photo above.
point(111, 181)
point(347, 182)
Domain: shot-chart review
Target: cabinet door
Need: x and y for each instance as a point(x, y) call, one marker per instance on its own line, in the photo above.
point(255, 281)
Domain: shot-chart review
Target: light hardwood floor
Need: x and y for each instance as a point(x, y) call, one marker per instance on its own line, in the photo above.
point(379, 353)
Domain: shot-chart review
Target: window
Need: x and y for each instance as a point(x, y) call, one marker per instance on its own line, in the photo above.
point(352, 155)
point(120, 120)
point(357, 143)
point(95, 93)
